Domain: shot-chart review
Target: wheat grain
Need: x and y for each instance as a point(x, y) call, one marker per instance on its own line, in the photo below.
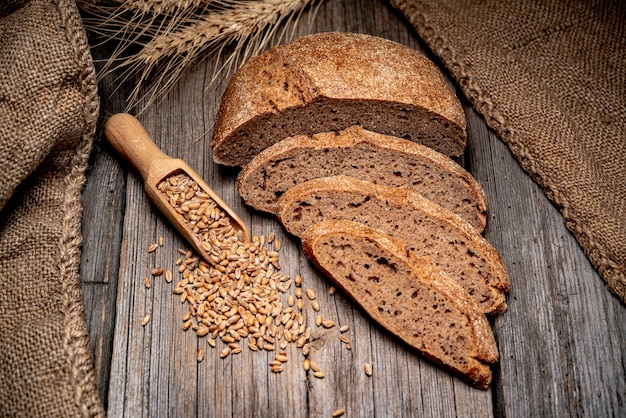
point(367, 368)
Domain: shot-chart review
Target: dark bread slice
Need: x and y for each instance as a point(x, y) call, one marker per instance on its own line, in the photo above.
point(425, 227)
point(406, 294)
point(356, 152)
point(329, 81)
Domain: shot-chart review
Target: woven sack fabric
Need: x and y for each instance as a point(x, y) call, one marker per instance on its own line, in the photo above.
point(48, 114)
point(549, 76)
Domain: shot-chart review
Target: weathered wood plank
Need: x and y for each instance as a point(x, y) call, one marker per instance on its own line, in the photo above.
point(103, 201)
point(563, 337)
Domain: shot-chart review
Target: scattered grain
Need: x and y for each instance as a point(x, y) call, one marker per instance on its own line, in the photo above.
point(157, 271)
point(367, 368)
point(200, 356)
point(331, 290)
point(315, 305)
point(145, 320)
point(147, 283)
point(338, 412)
point(152, 248)
point(319, 375)
point(344, 328)
point(328, 323)
point(202, 331)
point(306, 349)
point(168, 276)
point(300, 341)
point(310, 293)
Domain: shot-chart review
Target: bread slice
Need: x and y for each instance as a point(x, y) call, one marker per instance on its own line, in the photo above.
point(425, 227)
point(406, 294)
point(329, 81)
point(356, 152)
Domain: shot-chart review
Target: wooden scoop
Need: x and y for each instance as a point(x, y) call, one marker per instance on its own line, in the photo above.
point(128, 137)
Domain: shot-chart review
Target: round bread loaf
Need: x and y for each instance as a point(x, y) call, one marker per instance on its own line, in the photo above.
point(329, 81)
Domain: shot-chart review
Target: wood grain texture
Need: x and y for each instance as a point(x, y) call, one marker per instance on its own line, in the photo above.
point(562, 340)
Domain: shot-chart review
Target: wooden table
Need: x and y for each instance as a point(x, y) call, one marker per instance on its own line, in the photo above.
point(561, 342)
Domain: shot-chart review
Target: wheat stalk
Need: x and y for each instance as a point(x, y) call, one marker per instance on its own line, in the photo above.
point(174, 34)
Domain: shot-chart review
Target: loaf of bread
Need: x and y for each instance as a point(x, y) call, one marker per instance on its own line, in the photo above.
point(370, 156)
point(329, 81)
point(406, 294)
point(426, 228)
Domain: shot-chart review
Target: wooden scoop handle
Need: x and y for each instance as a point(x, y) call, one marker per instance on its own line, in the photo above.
point(131, 141)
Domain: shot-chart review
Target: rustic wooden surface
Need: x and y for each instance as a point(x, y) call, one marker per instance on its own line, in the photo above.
point(562, 341)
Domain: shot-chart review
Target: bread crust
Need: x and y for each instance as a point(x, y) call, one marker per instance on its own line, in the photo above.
point(256, 190)
point(361, 70)
point(489, 280)
point(478, 353)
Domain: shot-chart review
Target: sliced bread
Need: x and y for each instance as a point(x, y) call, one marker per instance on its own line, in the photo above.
point(329, 81)
point(425, 227)
point(406, 294)
point(356, 152)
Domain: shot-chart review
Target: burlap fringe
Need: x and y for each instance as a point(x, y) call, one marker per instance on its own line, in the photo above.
point(76, 338)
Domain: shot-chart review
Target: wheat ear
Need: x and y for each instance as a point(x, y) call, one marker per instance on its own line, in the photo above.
point(173, 34)
point(162, 6)
point(248, 25)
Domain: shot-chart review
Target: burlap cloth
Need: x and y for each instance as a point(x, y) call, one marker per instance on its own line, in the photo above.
point(48, 113)
point(549, 76)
